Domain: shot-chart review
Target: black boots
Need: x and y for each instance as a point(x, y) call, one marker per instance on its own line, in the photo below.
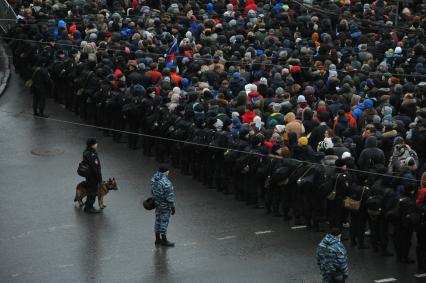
point(165, 242)
point(162, 241)
point(157, 239)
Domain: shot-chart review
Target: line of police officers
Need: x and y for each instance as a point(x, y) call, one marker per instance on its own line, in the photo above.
point(232, 163)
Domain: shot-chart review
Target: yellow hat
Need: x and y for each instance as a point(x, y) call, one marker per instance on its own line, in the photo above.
point(303, 141)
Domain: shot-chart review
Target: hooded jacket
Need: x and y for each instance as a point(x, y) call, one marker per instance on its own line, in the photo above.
point(332, 258)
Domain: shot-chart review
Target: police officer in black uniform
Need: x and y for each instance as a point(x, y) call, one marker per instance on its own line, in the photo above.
point(94, 179)
point(41, 87)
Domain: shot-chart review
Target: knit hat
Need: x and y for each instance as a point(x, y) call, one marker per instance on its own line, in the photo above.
point(301, 99)
point(257, 122)
point(346, 155)
point(218, 124)
point(295, 69)
point(279, 91)
point(368, 103)
point(387, 120)
point(398, 50)
point(370, 83)
point(303, 140)
point(62, 24)
point(91, 142)
point(263, 81)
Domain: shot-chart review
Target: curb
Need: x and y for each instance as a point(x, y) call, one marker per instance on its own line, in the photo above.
point(4, 65)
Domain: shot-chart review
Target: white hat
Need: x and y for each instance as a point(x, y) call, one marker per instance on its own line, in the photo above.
point(301, 99)
point(398, 50)
point(346, 155)
point(176, 90)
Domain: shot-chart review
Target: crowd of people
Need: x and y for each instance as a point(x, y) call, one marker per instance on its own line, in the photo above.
point(313, 113)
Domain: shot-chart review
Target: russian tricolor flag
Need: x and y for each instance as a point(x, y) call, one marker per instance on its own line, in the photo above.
point(171, 54)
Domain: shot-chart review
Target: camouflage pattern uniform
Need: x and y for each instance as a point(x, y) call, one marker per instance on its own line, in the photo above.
point(163, 193)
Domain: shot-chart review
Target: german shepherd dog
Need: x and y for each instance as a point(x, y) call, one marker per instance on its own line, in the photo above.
point(103, 189)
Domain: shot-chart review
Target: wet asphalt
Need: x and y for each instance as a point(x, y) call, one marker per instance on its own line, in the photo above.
point(44, 237)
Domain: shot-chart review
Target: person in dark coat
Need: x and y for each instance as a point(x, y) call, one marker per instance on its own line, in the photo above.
point(371, 156)
point(41, 88)
point(94, 179)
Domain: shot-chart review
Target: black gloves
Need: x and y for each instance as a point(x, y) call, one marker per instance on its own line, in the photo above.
point(173, 211)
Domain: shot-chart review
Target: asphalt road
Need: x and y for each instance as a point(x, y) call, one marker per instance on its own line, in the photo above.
point(45, 238)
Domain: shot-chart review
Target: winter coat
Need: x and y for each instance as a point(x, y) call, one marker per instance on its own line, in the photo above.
point(332, 258)
point(421, 197)
point(317, 135)
point(293, 125)
point(339, 149)
point(248, 117)
point(90, 157)
point(162, 190)
point(371, 156)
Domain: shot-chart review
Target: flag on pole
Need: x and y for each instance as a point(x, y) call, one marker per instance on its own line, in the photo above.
point(171, 54)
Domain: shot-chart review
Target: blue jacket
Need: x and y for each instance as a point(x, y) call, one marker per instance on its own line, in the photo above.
point(332, 258)
point(162, 190)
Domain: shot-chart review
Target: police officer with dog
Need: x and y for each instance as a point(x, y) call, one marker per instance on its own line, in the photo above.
point(94, 176)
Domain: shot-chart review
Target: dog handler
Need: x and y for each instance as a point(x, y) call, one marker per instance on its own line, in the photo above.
point(94, 179)
point(163, 192)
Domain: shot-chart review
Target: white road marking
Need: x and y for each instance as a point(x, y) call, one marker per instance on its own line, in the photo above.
point(65, 265)
point(226, 238)
point(263, 232)
point(385, 280)
point(109, 257)
point(190, 244)
point(15, 275)
point(22, 235)
point(299, 227)
point(64, 227)
point(421, 275)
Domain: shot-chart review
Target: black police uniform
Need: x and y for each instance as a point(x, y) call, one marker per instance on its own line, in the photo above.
point(90, 157)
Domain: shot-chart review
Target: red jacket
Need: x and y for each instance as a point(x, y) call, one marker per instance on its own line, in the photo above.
point(248, 117)
point(254, 96)
point(250, 5)
point(421, 198)
point(350, 118)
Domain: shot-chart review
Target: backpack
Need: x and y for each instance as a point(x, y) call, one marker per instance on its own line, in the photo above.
point(83, 170)
point(401, 153)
